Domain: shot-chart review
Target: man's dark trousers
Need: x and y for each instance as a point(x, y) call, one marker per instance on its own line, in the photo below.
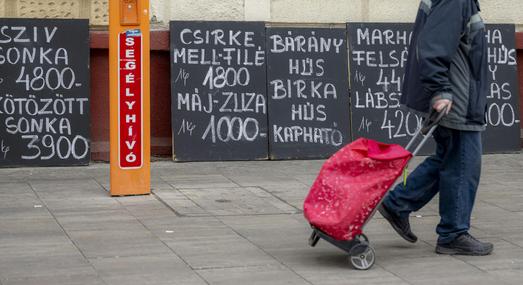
point(453, 171)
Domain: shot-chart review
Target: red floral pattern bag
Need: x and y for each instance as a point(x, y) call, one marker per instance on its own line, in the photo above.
point(351, 184)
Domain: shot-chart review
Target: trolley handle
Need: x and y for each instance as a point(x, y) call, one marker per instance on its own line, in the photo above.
point(426, 130)
point(433, 120)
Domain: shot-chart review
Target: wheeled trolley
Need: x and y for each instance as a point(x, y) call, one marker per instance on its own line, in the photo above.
point(351, 186)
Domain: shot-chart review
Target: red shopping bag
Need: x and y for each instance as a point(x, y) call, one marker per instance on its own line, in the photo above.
point(351, 184)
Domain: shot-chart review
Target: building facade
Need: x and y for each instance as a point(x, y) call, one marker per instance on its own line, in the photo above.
point(276, 11)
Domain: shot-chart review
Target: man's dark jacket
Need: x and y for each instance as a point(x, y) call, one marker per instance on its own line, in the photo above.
point(448, 60)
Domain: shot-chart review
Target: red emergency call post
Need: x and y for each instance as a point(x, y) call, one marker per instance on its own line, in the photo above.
point(129, 97)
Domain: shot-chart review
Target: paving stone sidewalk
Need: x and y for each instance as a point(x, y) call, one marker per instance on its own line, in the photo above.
point(230, 223)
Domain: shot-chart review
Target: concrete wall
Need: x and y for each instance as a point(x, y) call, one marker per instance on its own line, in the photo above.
point(294, 11)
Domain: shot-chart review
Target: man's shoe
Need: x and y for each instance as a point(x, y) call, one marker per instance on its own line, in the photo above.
point(465, 244)
point(401, 225)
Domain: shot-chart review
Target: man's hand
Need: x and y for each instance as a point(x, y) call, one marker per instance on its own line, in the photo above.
point(441, 104)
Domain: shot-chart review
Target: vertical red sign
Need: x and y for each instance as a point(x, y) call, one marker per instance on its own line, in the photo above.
point(130, 133)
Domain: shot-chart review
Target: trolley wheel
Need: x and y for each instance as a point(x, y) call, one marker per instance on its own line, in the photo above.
point(314, 238)
point(362, 256)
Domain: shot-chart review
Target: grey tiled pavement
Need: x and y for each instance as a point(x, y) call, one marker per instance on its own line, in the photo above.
point(230, 223)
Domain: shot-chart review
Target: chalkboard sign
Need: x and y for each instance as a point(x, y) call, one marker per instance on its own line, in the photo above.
point(219, 101)
point(503, 131)
point(378, 54)
point(308, 93)
point(44, 92)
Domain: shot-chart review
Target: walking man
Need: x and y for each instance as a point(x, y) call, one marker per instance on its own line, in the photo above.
point(446, 71)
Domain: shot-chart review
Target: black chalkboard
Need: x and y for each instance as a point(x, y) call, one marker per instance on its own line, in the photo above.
point(503, 131)
point(218, 86)
point(378, 54)
point(308, 93)
point(44, 92)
